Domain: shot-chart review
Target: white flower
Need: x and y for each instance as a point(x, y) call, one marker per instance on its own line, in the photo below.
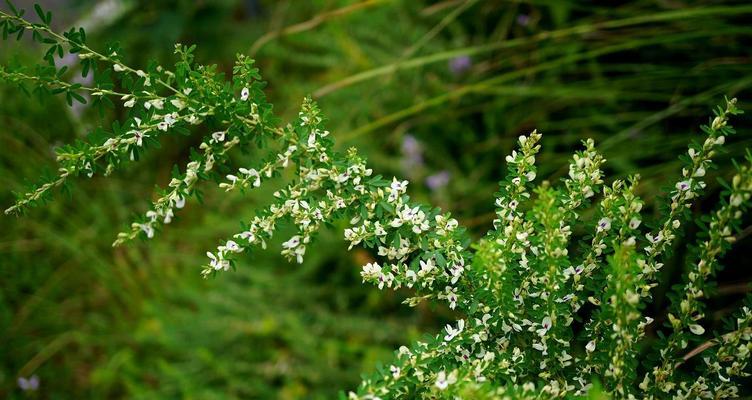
point(451, 296)
point(118, 68)
point(451, 332)
point(655, 238)
point(148, 230)
point(371, 271)
point(590, 346)
point(378, 229)
point(139, 136)
point(218, 136)
point(232, 246)
point(395, 371)
point(180, 202)
point(395, 189)
point(398, 186)
point(244, 94)
point(697, 329)
point(411, 276)
point(443, 381)
point(168, 216)
point(682, 186)
point(426, 267)
point(218, 262)
point(252, 173)
point(634, 223)
point(177, 103)
point(130, 103)
point(604, 224)
point(162, 126)
point(193, 119)
point(545, 326)
point(156, 103)
point(292, 243)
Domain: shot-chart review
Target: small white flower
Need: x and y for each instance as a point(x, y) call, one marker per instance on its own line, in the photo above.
point(156, 103)
point(168, 216)
point(252, 173)
point(292, 243)
point(180, 202)
point(177, 103)
point(371, 271)
point(218, 262)
point(443, 381)
point(162, 126)
point(244, 94)
point(395, 371)
point(130, 102)
point(452, 332)
point(682, 186)
point(697, 329)
point(545, 326)
point(118, 68)
point(148, 230)
point(604, 224)
point(378, 229)
point(139, 136)
point(218, 136)
point(232, 246)
point(634, 223)
point(590, 346)
point(170, 119)
point(426, 267)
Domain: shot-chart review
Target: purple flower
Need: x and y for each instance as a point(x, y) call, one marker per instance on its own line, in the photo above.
point(412, 150)
point(523, 20)
point(438, 180)
point(460, 65)
point(30, 384)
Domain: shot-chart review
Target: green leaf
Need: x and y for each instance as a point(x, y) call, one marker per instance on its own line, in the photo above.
point(11, 6)
point(41, 14)
point(78, 97)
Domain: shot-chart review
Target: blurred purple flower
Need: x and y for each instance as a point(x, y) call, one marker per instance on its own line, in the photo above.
point(460, 65)
point(412, 150)
point(438, 180)
point(30, 384)
point(523, 20)
point(69, 60)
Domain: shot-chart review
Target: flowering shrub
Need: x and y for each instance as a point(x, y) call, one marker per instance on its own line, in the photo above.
point(541, 316)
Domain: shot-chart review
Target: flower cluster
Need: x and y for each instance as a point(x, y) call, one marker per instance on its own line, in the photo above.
point(544, 310)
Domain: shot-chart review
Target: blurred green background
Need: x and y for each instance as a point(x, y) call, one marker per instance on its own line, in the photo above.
point(436, 92)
